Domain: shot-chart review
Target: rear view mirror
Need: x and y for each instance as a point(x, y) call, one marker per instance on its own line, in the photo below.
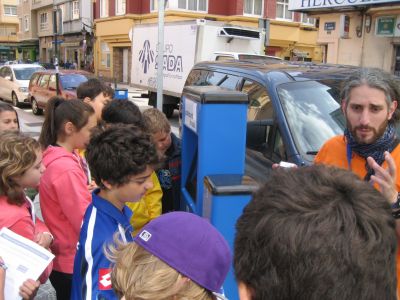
point(257, 133)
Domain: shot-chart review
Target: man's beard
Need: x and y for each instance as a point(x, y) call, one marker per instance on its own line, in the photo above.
point(377, 133)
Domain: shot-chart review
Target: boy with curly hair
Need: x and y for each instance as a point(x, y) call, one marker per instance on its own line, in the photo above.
point(121, 159)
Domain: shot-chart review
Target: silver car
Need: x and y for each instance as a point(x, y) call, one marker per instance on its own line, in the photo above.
point(14, 82)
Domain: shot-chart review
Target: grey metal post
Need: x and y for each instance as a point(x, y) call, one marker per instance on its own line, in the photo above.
point(160, 60)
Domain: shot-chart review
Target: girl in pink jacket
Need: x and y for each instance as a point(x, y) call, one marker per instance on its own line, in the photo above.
point(21, 167)
point(63, 190)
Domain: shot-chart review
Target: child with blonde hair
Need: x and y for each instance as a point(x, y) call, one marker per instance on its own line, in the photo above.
point(64, 193)
point(179, 255)
point(169, 149)
point(20, 168)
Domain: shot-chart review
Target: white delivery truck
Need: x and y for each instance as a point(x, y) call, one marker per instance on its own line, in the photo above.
point(185, 43)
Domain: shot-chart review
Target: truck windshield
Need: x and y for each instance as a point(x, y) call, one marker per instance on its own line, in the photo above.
point(313, 113)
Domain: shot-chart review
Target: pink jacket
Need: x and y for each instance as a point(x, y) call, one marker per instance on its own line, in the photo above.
point(19, 220)
point(64, 197)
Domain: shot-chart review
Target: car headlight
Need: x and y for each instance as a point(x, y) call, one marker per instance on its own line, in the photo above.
point(23, 89)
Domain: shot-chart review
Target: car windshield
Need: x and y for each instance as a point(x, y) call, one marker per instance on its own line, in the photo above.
point(26, 73)
point(72, 81)
point(313, 113)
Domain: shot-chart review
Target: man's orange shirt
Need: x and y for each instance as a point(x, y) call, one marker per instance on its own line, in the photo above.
point(334, 153)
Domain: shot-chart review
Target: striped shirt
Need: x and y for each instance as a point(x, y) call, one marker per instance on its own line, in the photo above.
point(92, 270)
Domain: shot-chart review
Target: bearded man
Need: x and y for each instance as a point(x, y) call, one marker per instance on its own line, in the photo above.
point(369, 146)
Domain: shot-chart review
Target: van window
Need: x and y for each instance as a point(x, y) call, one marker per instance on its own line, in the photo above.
point(224, 58)
point(44, 81)
point(34, 78)
point(52, 82)
point(260, 105)
point(197, 78)
point(6, 72)
point(223, 80)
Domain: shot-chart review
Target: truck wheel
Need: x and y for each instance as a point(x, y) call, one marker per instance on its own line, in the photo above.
point(168, 110)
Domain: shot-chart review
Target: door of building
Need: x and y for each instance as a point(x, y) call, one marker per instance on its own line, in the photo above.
point(397, 60)
point(125, 65)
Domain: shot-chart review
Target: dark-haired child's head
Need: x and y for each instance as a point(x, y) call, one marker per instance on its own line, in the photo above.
point(94, 92)
point(316, 233)
point(67, 122)
point(121, 159)
point(122, 111)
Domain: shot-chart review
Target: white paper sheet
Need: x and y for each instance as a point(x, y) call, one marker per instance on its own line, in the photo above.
point(24, 259)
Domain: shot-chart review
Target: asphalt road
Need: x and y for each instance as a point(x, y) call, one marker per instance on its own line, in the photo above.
point(31, 124)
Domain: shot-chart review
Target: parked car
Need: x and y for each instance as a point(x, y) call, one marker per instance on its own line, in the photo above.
point(293, 108)
point(43, 86)
point(14, 81)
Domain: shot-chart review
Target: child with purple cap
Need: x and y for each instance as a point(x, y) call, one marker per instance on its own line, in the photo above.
point(179, 255)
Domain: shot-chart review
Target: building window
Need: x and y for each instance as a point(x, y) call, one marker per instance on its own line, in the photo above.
point(43, 21)
point(20, 24)
point(253, 7)
point(75, 10)
point(154, 4)
point(105, 55)
point(103, 8)
point(10, 10)
point(8, 30)
point(195, 5)
point(307, 20)
point(282, 10)
point(26, 23)
point(120, 7)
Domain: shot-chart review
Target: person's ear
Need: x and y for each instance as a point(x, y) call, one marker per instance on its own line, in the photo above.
point(106, 184)
point(343, 105)
point(245, 292)
point(87, 100)
point(69, 128)
point(392, 109)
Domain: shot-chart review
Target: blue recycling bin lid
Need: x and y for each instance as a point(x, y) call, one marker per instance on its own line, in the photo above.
point(215, 95)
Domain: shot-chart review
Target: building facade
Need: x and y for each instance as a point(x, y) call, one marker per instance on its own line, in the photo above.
point(28, 48)
point(42, 18)
point(360, 33)
point(291, 35)
point(75, 32)
point(9, 27)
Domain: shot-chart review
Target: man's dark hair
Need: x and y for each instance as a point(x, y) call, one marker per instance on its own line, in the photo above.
point(91, 88)
point(122, 111)
point(316, 233)
point(119, 152)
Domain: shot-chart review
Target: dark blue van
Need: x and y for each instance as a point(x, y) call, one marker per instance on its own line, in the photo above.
point(293, 108)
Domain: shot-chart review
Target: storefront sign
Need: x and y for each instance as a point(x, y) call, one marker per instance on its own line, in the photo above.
point(329, 26)
point(385, 26)
point(305, 5)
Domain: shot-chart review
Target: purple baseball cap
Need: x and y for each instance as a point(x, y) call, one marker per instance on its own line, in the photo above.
point(190, 245)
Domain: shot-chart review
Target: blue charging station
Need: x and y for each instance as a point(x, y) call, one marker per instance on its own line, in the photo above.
point(213, 159)
point(225, 196)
